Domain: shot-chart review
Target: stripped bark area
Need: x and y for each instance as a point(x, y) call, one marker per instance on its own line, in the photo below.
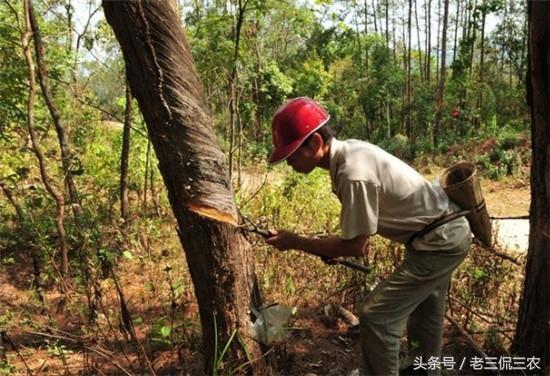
point(163, 79)
point(50, 187)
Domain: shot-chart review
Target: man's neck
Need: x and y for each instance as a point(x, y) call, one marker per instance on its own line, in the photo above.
point(324, 162)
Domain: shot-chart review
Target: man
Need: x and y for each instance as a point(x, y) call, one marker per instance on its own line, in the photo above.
point(379, 194)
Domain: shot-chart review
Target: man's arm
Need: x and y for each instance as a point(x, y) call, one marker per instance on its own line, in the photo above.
point(328, 247)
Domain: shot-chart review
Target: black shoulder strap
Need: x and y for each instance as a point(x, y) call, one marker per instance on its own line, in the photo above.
point(443, 220)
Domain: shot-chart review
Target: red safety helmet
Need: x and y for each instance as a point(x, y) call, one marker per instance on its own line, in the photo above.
point(292, 124)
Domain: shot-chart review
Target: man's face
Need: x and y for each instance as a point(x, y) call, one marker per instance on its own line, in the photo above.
point(304, 159)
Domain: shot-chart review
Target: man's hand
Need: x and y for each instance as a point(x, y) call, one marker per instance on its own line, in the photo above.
point(283, 240)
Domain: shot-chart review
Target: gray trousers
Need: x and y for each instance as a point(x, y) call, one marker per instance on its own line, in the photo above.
point(413, 296)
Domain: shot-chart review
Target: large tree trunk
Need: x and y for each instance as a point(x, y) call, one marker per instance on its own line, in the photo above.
point(163, 79)
point(532, 333)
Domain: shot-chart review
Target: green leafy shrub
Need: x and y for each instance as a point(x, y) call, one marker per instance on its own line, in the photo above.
point(398, 145)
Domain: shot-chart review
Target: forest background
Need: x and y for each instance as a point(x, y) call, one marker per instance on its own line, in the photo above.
point(87, 243)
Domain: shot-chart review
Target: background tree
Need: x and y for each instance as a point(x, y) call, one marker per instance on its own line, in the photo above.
point(532, 334)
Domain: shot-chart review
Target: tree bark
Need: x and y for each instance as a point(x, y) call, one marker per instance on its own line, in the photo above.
point(163, 79)
point(532, 333)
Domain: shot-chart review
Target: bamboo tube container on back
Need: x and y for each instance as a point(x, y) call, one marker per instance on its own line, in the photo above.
point(461, 184)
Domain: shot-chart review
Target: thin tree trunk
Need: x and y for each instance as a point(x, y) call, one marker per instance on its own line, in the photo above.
point(145, 176)
point(124, 157)
point(472, 39)
point(234, 82)
point(441, 91)
point(457, 24)
point(405, 90)
point(154, 193)
point(438, 45)
point(375, 19)
point(366, 31)
point(257, 97)
point(78, 44)
point(52, 190)
point(166, 85)
point(428, 39)
point(502, 51)
point(479, 104)
point(466, 25)
point(394, 41)
point(482, 46)
point(408, 125)
point(532, 333)
point(387, 24)
point(420, 63)
point(66, 157)
point(388, 119)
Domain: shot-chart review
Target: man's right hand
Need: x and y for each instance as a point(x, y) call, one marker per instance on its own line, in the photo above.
point(283, 240)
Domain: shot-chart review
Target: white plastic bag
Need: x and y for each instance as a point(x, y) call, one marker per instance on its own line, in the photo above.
point(271, 325)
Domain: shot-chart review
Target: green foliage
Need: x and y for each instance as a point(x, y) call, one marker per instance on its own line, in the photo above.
point(398, 145)
point(161, 332)
point(57, 350)
point(300, 202)
point(6, 368)
point(506, 157)
point(12, 74)
point(219, 354)
point(275, 85)
point(499, 163)
point(312, 80)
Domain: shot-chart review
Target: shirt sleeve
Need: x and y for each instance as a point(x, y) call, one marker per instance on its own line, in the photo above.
point(359, 213)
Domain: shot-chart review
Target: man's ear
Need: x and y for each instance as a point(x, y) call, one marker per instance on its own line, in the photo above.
point(315, 141)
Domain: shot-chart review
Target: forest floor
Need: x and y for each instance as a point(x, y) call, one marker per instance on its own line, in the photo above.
point(50, 342)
